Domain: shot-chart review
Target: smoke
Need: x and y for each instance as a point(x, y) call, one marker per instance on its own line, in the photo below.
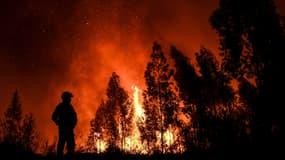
point(47, 47)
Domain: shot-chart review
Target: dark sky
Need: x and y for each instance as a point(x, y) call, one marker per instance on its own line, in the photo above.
point(48, 46)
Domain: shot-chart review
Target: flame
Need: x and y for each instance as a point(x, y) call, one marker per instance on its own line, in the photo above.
point(135, 145)
point(101, 145)
point(133, 142)
point(169, 137)
point(139, 113)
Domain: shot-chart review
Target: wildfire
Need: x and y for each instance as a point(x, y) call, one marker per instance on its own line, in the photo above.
point(169, 137)
point(100, 144)
point(139, 113)
point(133, 143)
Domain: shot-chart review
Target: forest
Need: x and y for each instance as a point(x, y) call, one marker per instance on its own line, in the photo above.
point(226, 103)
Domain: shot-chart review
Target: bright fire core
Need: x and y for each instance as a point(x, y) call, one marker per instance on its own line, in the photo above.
point(133, 143)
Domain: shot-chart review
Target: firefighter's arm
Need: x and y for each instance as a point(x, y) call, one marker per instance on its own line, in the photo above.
point(54, 116)
point(74, 118)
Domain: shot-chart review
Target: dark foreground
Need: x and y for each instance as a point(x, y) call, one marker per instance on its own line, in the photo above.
point(252, 154)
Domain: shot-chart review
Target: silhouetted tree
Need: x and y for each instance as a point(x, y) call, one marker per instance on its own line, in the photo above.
point(112, 117)
point(216, 84)
point(97, 124)
point(112, 127)
point(216, 91)
point(248, 95)
point(188, 81)
point(160, 102)
point(12, 121)
point(118, 103)
point(251, 42)
point(20, 134)
point(29, 134)
point(126, 116)
point(209, 98)
point(189, 84)
point(248, 92)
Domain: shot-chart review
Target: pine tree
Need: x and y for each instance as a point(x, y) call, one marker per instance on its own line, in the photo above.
point(118, 106)
point(12, 121)
point(189, 87)
point(203, 95)
point(160, 102)
point(29, 134)
point(126, 116)
point(96, 128)
point(20, 134)
point(185, 75)
point(112, 117)
point(216, 84)
point(216, 92)
point(251, 40)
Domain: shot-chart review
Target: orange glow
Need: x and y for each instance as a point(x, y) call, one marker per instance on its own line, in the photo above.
point(76, 45)
point(51, 46)
point(133, 143)
point(101, 145)
point(139, 114)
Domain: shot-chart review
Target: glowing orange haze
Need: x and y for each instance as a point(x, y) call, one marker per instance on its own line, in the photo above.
point(97, 39)
point(122, 43)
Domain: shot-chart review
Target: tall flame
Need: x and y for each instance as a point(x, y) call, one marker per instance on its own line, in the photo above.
point(133, 143)
point(139, 113)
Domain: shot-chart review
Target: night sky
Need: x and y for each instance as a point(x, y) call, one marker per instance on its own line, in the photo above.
point(49, 46)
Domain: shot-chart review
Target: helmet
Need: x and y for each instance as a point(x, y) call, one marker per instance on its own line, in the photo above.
point(66, 94)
